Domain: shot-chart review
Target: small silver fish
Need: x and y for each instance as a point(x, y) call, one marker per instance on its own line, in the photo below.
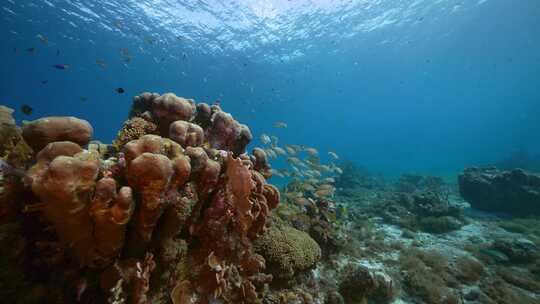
point(280, 125)
point(265, 139)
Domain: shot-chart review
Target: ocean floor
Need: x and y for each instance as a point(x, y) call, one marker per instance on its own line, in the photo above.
point(480, 262)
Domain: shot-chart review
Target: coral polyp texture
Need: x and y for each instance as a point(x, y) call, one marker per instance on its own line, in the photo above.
point(167, 214)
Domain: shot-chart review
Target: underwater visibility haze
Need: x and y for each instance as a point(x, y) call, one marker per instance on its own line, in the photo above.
point(285, 151)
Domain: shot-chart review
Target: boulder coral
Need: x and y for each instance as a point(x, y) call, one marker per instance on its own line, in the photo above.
point(172, 210)
point(287, 251)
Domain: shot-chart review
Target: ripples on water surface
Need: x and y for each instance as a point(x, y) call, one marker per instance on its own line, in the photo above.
point(425, 78)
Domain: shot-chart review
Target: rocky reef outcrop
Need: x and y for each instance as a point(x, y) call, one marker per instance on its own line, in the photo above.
point(169, 213)
point(426, 211)
point(516, 192)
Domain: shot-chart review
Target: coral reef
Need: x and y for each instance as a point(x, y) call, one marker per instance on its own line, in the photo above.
point(515, 192)
point(169, 214)
point(176, 211)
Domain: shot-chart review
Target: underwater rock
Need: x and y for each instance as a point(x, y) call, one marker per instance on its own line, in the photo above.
point(40, 132)
point(355, 176)
point(358, 283)
point(516, 192)
point(517, 250)
point(287, 251)
point(442, 224)
point(426, 211)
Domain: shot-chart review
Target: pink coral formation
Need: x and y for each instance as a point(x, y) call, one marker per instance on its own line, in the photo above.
point(187, 195)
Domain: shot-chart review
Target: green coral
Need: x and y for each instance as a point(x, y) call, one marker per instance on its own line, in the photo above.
point(287, 251)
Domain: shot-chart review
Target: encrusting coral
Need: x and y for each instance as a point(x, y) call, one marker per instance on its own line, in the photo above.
point(169, 213)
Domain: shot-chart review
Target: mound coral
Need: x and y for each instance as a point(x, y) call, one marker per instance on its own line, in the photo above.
point(287, 250)
point(176, 192)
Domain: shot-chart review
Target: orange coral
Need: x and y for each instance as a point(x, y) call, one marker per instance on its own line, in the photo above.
point(150, 175)
point(110, 213)
point(65, 186)
point(239, 187)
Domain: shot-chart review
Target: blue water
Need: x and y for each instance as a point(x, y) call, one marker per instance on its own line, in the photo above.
point(424, 86)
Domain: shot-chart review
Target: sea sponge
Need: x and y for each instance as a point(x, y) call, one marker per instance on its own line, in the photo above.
point(287, 251)
point(40, 132)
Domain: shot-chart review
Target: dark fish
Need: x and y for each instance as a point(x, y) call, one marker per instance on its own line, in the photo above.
point(61, 66)
point(101, 63)
point(44, 81)
point(84, 98)
point(149, 40)
point(26, 109)
point(57, 52)
point(120, 90)
point(43, 39)
point(31, 50)
point(124, 52)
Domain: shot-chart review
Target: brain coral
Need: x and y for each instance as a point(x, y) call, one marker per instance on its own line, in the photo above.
point(287, 251)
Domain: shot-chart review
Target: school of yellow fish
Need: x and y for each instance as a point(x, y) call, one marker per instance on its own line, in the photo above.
point(308, 178)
